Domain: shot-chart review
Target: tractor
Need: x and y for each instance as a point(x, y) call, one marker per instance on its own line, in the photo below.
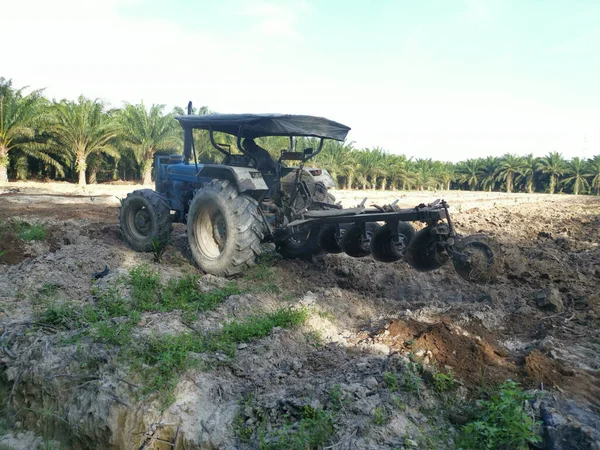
point(231, 209)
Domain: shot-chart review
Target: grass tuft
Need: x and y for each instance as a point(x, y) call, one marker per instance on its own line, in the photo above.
point(502, 422)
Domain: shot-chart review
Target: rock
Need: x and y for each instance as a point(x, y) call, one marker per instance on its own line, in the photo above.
point(371, 383)
point(411, 443)
point(549, 299)
point(242, 346)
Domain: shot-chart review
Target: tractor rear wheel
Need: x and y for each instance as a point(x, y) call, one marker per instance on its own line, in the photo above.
point(224, 229)
point(145, 217)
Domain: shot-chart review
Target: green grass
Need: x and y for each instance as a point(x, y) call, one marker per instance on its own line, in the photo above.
point(391, 381)
point(501, 422)
point(411, 380)
point(148, 294)
point(184, 294)
point(145, 287)
point(312, 431)
point(163, 358)
point(24, 230)
point(443, 382)
point(159, 360)
point(381, 416)
point(158, 249)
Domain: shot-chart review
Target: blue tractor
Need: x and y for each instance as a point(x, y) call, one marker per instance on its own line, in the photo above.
point(232, 208)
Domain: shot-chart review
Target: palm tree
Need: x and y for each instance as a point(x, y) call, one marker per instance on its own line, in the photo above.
point(398, 173)
point(577, 171)
point(338, 159)
point(510, 166)
point(489, 168)
point(81, 129)
point(19, 115)
point(554, 165)
point(529, 167)
point(446, 174)
point(146, 132)
point(369, 167)
point(594, 169)
point(469, 172)
point(423, 174)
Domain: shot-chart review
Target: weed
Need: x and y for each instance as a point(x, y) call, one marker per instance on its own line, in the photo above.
point(312, 431)
point(502, 422)
point(260, 272)
point(411, 381)
point(381, 416)
point(3, 252)
point(325, 314)
point(398, 403)
point(184, 294)
point(391, 381)
point(336, 397)
point(26, 231)
point(443, 382)
point(158, 248)
point(113, 332)
point(145, 287)
point(165, 357)
point(60, 315)
point(314, 338)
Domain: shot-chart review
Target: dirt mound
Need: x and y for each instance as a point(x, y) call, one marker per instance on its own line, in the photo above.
point(473, 360)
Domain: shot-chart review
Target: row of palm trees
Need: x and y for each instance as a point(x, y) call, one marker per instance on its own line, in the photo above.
point(376, 169)
point(83, 138)
point(79, 137)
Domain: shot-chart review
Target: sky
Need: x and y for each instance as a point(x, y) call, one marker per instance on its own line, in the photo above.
point(441, 79)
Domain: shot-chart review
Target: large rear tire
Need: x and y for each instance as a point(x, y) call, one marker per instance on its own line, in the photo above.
point(224, 229)
point(144, 217)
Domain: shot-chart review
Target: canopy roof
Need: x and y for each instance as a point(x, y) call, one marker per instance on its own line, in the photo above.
point(258, 125)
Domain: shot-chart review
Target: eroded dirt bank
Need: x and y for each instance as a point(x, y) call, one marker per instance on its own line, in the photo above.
point(361, 369)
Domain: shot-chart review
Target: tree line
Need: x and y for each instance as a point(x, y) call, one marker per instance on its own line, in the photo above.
point(85, 140)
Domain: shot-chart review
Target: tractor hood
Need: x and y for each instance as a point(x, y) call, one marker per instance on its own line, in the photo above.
point(259, 125)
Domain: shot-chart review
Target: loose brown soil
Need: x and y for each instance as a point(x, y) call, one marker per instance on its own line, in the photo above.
point(372, 313)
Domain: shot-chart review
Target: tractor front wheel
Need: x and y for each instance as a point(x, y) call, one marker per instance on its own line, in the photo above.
point(144, 218)
point(224, 229)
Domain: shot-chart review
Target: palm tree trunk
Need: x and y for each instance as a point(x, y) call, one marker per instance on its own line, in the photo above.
point(147, 175)
point(22, 171)
point(147, 171)
point(82, 178)
point(3, 164)
point(92, 176)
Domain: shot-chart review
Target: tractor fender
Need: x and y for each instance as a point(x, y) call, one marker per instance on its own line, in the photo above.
point(245, 178)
